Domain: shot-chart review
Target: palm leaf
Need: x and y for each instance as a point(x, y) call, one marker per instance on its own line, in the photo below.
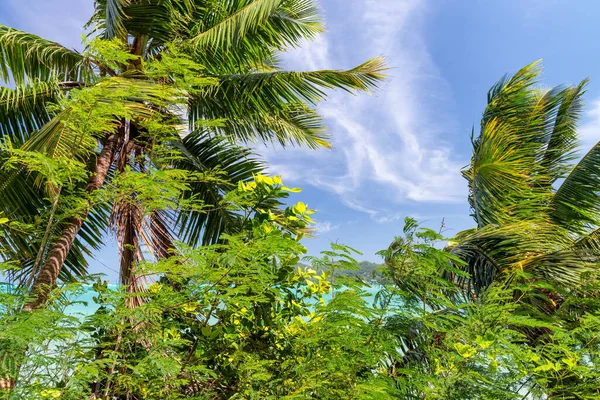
point(562, 141)
point(510, 99)
point(506, 156)
point(161, 21)
point(25, 204)
point(23, 109)
point(303, 86)
point(296, 20)
point(114, 27)
point(127, 220)
point(293, 22)
point(500, 176)
point(54, 139)
point(287, 23)
point(575, 206)
point(232, 29)
point(270, 106)
point(538, 248)
point(154, 18)
point(26, 57)
point(202, 153)
point(295, 124)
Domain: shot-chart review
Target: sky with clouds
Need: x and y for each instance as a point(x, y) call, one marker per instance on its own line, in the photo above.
point(399, 152)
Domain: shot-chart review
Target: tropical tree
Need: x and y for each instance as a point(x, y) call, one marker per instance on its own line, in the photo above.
point(115, 111)
point(536, 210)
point(526, 277)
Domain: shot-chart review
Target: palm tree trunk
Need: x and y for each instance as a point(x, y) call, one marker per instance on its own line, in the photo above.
point(6, 385)
point(49, 272)
point(48, 275)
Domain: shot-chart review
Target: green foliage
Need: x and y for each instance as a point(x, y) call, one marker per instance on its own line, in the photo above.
point(241, 319)
point(508, 310)
point(26, 57)
point(160, 86)
point(522, 180)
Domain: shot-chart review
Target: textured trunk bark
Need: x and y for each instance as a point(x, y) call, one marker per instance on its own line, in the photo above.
point(48, 275)
point(6, 385)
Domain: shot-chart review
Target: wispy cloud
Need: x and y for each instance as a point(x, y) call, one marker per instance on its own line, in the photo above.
point(589, 132)
point(390, 148)
point(324, 227)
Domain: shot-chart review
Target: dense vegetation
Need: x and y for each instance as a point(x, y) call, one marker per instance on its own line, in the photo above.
point(143, 136)
point(365, 270)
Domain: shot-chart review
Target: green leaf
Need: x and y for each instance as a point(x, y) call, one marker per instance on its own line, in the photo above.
point(465, 350)
point(232, 30)
point(486, 341)
point(25, 57)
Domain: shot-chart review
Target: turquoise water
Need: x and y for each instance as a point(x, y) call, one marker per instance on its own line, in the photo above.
point(84, 304)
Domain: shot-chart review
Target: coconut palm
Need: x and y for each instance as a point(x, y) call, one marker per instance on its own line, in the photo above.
point(537, 212)
point(245, 98)
point(536, 205)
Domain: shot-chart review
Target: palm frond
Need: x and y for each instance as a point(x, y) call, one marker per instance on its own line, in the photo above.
point(23, 109)
point(271, 106)
point(161, 21)
point(505, 171)
point(302, 86)
point(127, 220)
point(232, 29)
point(247, 58)
point(538, 248)
point(25, 57)
point(296, 20)
point(588, 246)
point(510, 99)
point(54, 139)
point(22, 203)
point(114, 27)
point(203, 153)
point(562, 140)
point(575, 206)
point(288, 23)
point(25, 204)
point(120, 18)
point(161, 239)
point(500, 176)
point(295, 125)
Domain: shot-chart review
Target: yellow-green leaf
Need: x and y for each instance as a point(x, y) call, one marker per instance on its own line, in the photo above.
point(465, 350)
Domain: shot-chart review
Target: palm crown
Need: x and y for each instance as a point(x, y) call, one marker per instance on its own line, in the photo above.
point(221, 58)
point(537, 213)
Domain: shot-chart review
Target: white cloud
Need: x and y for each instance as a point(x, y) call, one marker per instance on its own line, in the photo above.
point(359, 207)
point(324, 227)
point(589, 132)
point(390, 218)
point(388, 148)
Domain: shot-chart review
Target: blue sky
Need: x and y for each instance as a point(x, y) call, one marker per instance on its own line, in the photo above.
point(399, 152)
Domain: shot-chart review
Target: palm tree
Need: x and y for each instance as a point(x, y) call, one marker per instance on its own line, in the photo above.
point(537, 212)
point(236, 43)
point(536, 206)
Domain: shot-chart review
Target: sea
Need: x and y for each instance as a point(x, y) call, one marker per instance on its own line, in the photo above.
point(83, 303)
